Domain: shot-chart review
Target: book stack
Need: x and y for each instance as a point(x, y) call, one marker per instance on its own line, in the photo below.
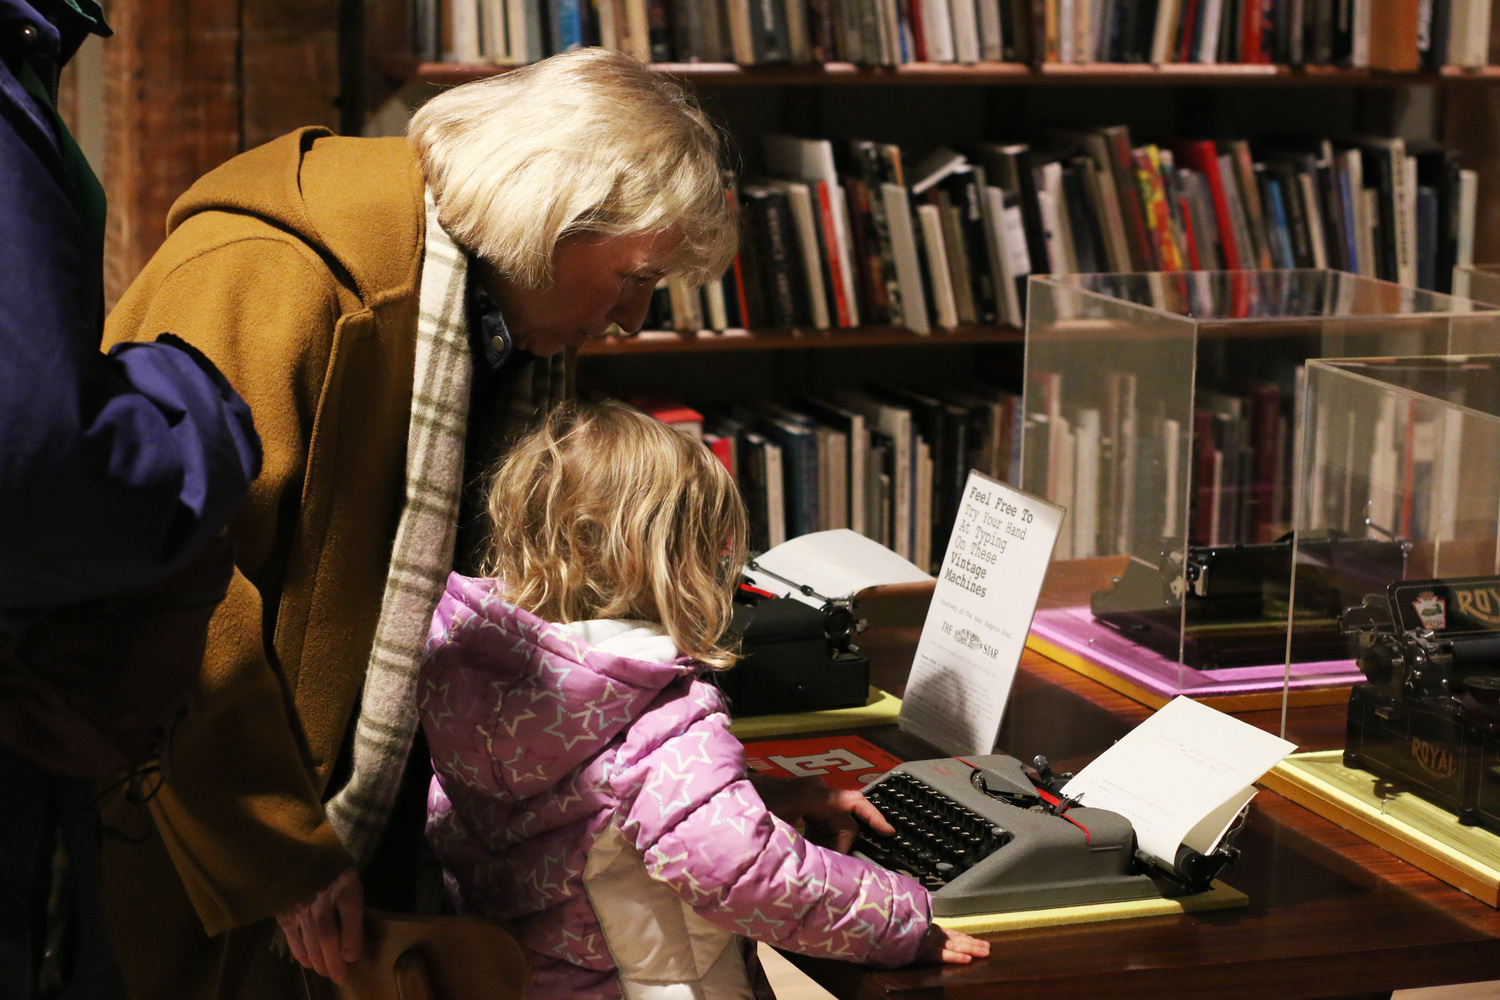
point(1119, 468)
point(886, 461)
point(843, 233)
point(1394, 35)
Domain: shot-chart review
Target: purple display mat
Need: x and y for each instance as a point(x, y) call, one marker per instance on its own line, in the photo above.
point(1073, 638)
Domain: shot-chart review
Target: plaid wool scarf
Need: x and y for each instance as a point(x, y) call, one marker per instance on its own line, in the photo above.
point(423, 551)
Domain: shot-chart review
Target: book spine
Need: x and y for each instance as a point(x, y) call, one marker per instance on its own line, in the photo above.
point(1123, 165)
point(776, 251)
point(736, 274)
point(841, 292)
point(1158, 214)
point(1203, 158)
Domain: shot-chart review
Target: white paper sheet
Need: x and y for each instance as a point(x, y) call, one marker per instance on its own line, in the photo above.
point(1180, 777)
point(980, 614)
point(837, 563)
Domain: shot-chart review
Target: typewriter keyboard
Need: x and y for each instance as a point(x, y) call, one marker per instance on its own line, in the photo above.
point(936, 838)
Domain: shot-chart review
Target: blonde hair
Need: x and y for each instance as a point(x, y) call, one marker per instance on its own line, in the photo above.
point(605, 512)
point(589, 141)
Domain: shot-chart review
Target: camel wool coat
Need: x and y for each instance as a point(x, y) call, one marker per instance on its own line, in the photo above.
point(295, 267)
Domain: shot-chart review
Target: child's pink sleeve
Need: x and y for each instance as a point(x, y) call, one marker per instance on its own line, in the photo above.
point(706, 833)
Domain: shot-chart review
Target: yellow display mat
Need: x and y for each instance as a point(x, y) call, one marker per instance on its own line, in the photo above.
point(1218, 897)
point(1413, 829)
point(881, 709)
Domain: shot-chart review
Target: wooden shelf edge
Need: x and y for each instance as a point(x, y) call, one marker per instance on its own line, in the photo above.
point(671, 341)
point(406, 68)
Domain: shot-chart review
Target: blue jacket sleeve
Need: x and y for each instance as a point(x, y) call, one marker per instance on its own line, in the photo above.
point(115, 468)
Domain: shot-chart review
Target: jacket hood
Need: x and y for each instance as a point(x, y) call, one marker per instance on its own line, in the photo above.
point(543, 674)
point(351, 199)
point(60, 25)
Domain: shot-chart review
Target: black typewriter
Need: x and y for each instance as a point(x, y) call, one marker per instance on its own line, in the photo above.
point(1427, 716)
point(987, 834)
point(794, 657)
point(1227, 605)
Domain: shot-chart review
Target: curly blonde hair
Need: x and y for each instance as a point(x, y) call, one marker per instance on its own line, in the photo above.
point(589, 141)
point(605, 512)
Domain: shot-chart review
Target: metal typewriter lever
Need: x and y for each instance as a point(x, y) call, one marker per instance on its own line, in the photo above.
point(1003, 787)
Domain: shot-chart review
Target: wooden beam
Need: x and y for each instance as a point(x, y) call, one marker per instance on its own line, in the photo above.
point(172, 88)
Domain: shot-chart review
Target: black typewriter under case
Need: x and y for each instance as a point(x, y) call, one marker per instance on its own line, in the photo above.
point(1227, 606)
point(1427, 717)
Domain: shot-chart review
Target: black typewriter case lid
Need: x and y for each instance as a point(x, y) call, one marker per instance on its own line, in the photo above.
point(782, 619)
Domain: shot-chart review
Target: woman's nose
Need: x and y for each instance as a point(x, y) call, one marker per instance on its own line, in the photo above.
point(630, 311)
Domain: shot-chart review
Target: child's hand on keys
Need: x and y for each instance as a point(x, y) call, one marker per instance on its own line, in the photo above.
point(953, 947)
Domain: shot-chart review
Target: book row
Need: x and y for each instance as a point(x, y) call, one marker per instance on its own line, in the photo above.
point(843, 233)
point(1123, 471)
point(1395, 35)
point(1122, 468)
point(886, 461)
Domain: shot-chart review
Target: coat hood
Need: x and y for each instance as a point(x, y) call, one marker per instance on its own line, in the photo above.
point(539, 674)
point(303, 181)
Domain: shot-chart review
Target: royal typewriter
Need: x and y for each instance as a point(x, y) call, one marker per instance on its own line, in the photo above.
point(987, 834)
point(1427, 716)
point(1227, 605)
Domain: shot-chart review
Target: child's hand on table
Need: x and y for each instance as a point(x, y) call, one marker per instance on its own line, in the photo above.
point(952, 947)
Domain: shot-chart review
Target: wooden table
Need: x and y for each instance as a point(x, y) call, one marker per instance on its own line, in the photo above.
point(1330, 915)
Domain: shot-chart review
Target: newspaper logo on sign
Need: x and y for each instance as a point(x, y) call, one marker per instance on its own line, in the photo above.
point(966, 637)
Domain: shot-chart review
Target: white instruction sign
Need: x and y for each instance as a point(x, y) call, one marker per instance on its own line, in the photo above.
point(981, 612)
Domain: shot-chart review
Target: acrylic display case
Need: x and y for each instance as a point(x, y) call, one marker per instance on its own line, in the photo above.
point(1479, 282)
point(1159, 409)
point(1399, 464)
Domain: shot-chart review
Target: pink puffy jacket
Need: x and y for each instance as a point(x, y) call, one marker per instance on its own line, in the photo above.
point(588, 786)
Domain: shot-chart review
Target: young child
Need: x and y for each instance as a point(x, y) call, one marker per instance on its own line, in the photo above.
point(587, 785)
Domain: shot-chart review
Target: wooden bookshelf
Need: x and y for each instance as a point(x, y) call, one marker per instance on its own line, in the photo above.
point(671, 341)
point(404, 68)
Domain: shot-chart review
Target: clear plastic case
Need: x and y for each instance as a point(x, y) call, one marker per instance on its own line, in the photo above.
point(1399, 469)
point(1480, 282)
point(1160, 410)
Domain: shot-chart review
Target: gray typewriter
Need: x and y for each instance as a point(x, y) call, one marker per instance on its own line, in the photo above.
point(987, 834)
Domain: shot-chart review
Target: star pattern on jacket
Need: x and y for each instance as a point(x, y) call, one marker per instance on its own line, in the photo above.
point(549, 678)
point(586, 944)
point(760, 925)
point(690, 749)
point(799, 888)
point(727, 812)
point(614, 701)
point(665, 868)
point(513, 722)
point(570, 736)
point(568, 794)
point(550, 862)
point(430, 691)
point(467, 774)
point(519, 775)
point(671, 787)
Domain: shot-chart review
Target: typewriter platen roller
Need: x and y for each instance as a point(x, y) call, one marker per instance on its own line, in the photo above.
point(985, 834)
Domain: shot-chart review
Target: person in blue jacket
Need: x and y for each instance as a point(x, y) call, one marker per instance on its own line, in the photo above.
point(118, 473)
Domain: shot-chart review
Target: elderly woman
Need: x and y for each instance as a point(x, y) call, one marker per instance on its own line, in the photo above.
point(380, 303)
